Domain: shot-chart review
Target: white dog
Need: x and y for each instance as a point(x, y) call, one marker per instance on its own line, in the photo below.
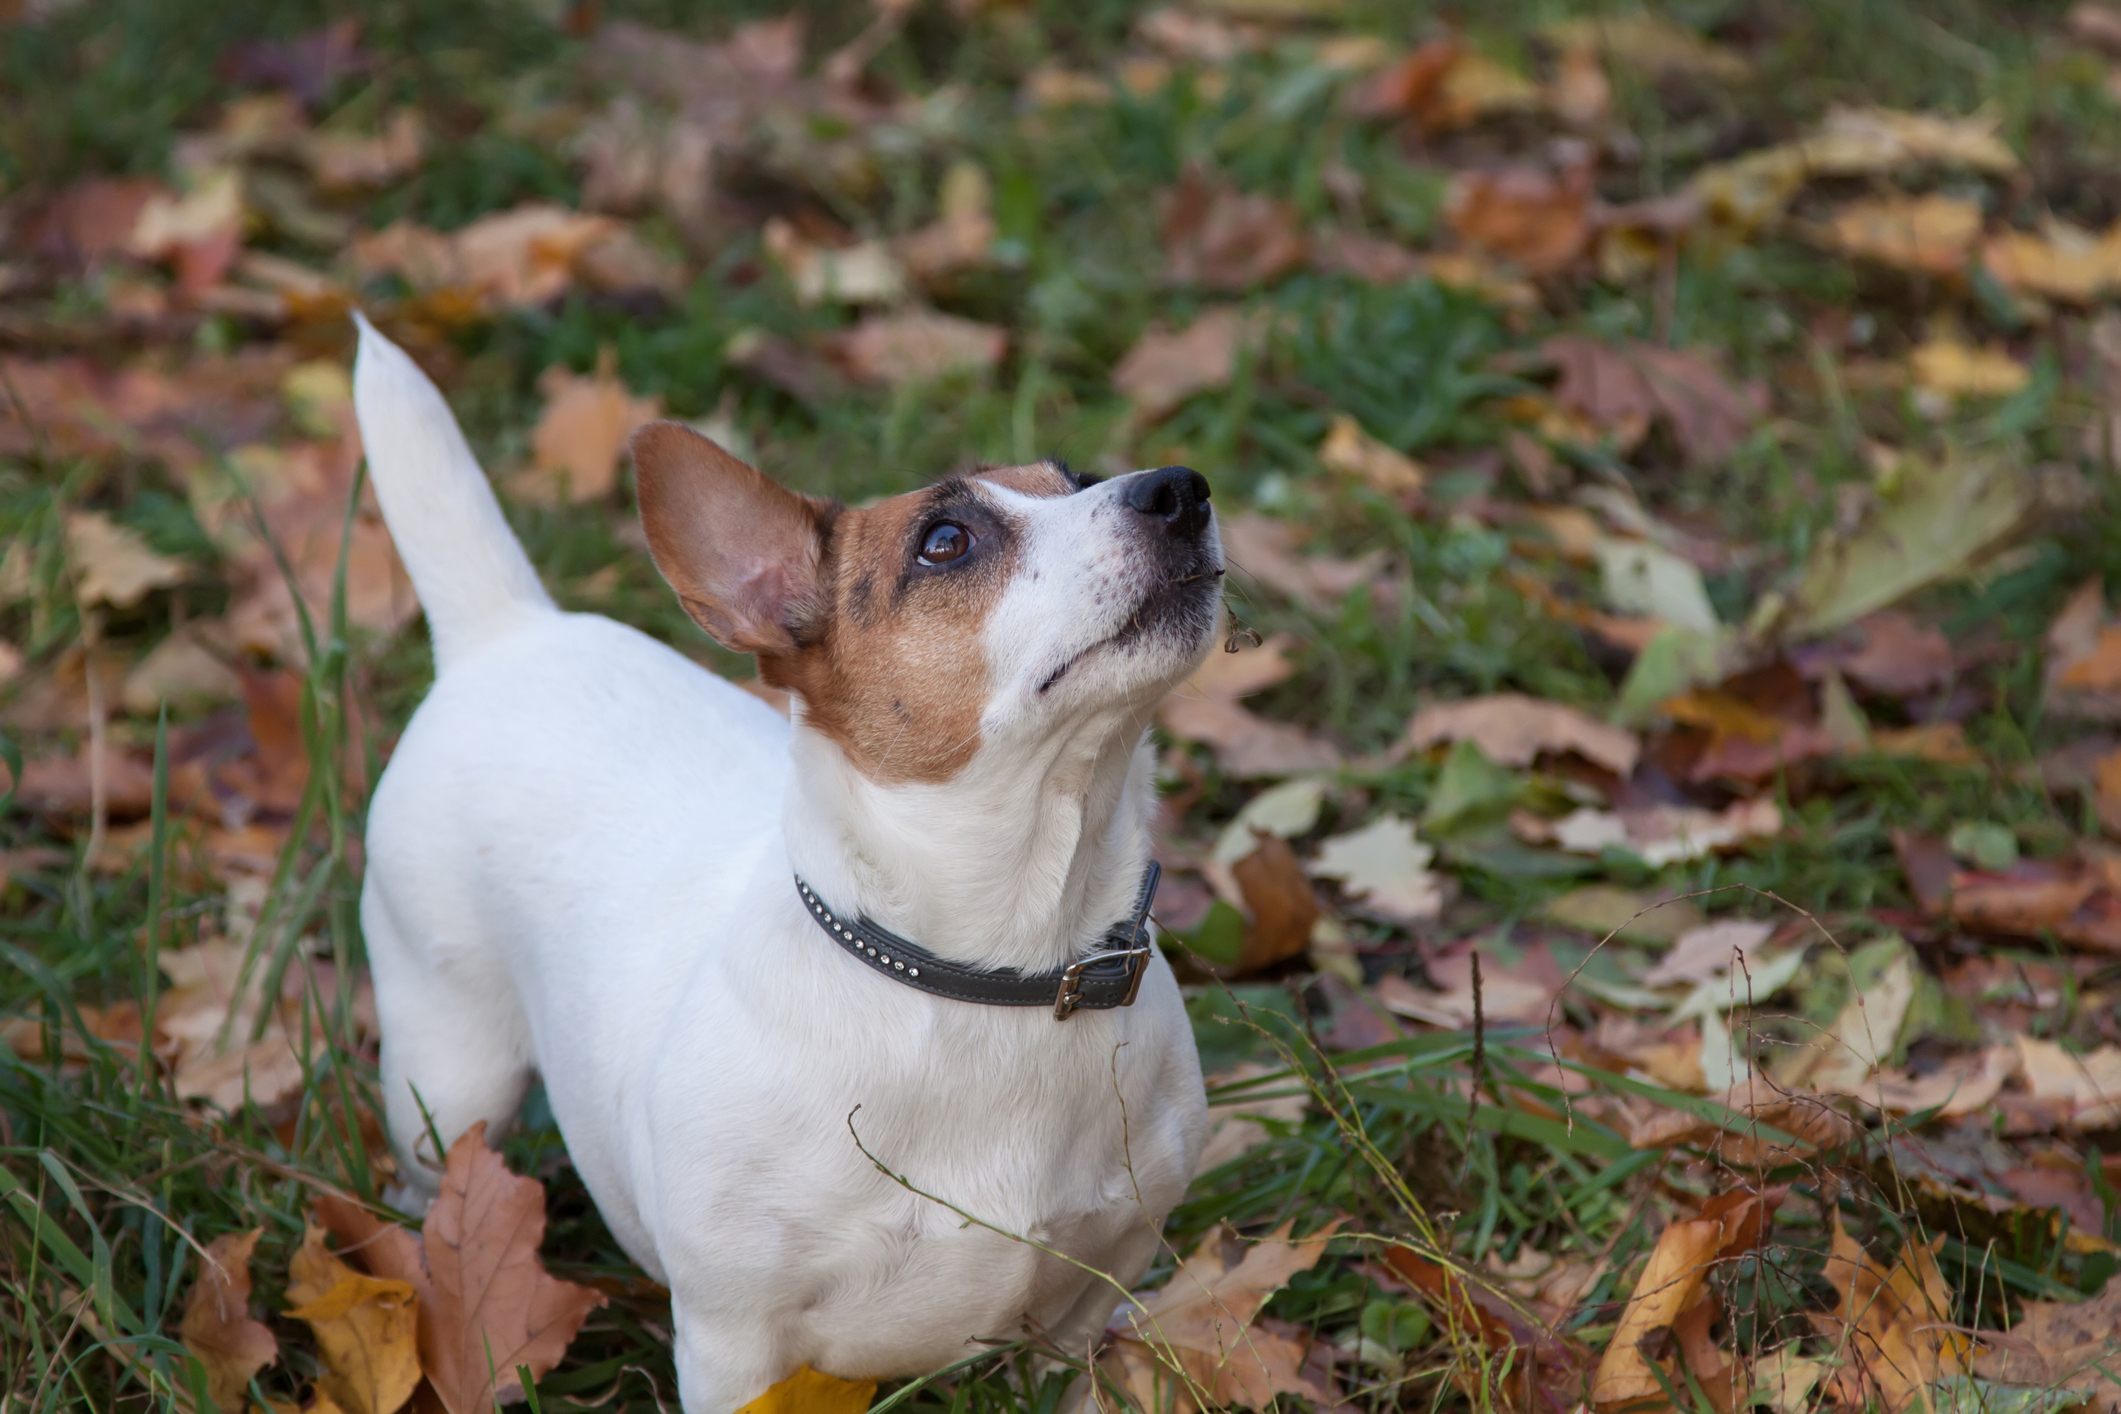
point(740, 951)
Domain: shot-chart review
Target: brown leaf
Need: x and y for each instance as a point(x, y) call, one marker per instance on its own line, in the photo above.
point(1204, 1320)
point(484, 1295)
point(1205, 709)
point(1617, 385)
point(2069, 1091)
point(517, 258)
point(2068, 898)
point(1672, 1284)
point(1279, 903)
point(365, 1329)
point(579, 442)
point(2059, 1345)
point(90, 219)
point(1514, 730)
point(1219, 237)
point(1546, 1370)
point(1166, 366)
point(1897, 1324)
point(217, 1325)
point(113, 564)
point(1656, 834)
point(918, 346)
point(1537, 220)
point(1268, 551)
point(1804, 1125)
point(2084, 657)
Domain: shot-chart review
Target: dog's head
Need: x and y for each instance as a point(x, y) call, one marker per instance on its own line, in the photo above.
point(992, 607)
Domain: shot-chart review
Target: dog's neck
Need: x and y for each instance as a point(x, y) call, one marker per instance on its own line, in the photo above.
point(1022, 860)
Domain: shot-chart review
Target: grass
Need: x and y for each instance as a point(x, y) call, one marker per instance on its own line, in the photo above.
point(111, 1185)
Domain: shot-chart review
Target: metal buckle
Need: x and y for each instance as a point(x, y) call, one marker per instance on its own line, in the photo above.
point(1070, 995)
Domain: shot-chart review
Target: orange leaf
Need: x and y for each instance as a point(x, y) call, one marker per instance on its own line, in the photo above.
point(217, 1325)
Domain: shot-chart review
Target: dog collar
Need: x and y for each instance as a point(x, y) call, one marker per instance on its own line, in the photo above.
point(1110, 977)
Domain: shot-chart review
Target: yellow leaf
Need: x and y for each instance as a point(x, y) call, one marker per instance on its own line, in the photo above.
point(1953, 369)
point(2066, 263)
point(808, 1392)
point(366, 1329)
point(1933, 234)
point(1352, 452)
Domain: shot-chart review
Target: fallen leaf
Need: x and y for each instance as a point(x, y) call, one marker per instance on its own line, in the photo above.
point(1897, 1324)
point(578, 445)
point(1956, 1087)
point(486, 1303)
point(365, 1327)
point(519, 258)
point(1710, 952)
point(2084, 657)
point(1658, 835)
point(1205, 1321)
point(1386, 867)
point(1515, 730)
point(1650, 44)
point(1802, 1125)
point(1205, 709)
point(1949, 368)
point(2067, 898)
point(1280, 908)
point(1443, 85)
point(217, 1326)
point(2064, 263)
point(1166, 366)
point(808, 1392)
point(1860, 1039)
point(1619, 386)
point(2077, 1091)
point(918, 346)
point(1936, 519)
point(2059, 1345)
point(1351, 452)
point(344, 162)
point(863, 272)
point(1224, 239)
point(1538, 1369)
point(1930, 235)
point(1674, 1281)
point(113, 564)
point(1269, 552)
point(1517, 996)
point(1535, 219)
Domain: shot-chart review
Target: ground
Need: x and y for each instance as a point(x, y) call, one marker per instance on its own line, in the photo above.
point(1647, 871)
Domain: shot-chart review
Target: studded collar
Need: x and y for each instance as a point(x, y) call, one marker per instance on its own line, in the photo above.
point(1109, 977)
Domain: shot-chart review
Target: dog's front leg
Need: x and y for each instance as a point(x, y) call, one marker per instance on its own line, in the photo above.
point(724, 1361)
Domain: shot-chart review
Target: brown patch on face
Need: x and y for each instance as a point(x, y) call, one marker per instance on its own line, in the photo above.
point(894, 668)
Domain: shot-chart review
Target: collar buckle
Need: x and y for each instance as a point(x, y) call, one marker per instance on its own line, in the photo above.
point(1070, 995)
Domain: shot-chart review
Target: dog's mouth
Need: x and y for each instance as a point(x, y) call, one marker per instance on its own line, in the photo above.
point(1174, 604)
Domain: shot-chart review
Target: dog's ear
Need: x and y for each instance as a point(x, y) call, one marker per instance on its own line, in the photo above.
point(741, 551)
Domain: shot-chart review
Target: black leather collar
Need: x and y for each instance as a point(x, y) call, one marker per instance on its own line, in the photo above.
point(1109, 977)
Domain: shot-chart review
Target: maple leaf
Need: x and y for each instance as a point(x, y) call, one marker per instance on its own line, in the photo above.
point(486, 1303)
point(1385, 866)
point(114, 564)
point(579, 442)
point(365, 1328)
point(1203, 1327)
point(217, 1325)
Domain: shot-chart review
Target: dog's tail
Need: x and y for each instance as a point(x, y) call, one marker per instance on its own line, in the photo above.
point(473, 578)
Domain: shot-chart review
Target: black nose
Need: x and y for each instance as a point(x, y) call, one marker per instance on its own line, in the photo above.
point(1175, 495)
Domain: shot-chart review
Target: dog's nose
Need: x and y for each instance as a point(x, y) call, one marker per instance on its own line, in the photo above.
point(1175, 495)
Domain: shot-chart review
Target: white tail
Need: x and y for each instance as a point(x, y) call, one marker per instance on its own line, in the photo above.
point(472, 576)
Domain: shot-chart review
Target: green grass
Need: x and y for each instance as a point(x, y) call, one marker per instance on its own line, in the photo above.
point(110, 1186)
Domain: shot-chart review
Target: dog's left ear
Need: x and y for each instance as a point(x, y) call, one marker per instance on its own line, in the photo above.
point(741, 550)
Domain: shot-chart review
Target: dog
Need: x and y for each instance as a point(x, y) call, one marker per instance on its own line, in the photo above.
point(849, 1019)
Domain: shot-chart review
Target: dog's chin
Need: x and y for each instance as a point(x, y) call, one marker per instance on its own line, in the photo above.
point(1152, 650)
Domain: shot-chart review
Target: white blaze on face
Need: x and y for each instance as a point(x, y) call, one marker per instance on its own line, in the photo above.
point(1103, 610)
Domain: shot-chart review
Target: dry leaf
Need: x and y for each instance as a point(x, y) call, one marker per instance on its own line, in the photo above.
point(1710, 952)
point(864, 272)
point(1205, 1320)
point(1659, 835)
point(2059, 1345)
point(1897, 1324)
point(2065, 263)
point(1514, 730)
point(1385, 867)
point(1673, 1283)
point(1351, 452)
point(1802, 1124)
point(579, 442)
point(1280, 908)
point(1545, 1371)
point(1537, 220)
point(1268, 551)
point(1839, 1060)
point(808, 1392)
point(918, 346)
point(1952, 369)
point(1233, 1124)
point(1205, 709)
point(1931, 235)
point(2076, 1091)
point(2068, 898)
point(487, 1304)
point(1650, 44)
point(1219, 237)
point(366, 1328)
point(217, 1325)
point(1166, 367)
point(113, 564)
point(1627, 386)
point(516, 258)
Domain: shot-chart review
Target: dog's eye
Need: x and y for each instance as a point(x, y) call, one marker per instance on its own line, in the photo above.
point(943, 542)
